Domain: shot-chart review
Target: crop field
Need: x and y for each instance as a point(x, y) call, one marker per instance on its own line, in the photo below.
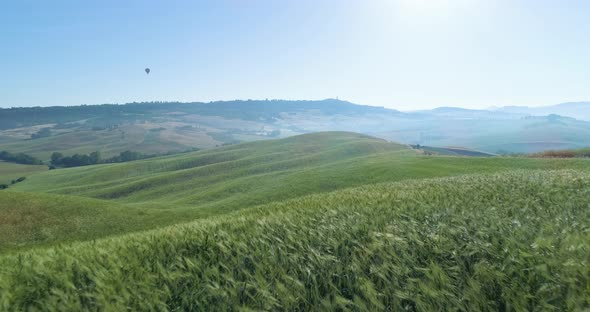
point(509, 241)
point(324, 221)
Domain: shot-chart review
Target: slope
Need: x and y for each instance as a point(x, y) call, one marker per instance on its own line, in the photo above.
point(244, 171)
point(174, 189)
point(232, 177)
point(12, 171)
point(35, 219)
point(509, 241)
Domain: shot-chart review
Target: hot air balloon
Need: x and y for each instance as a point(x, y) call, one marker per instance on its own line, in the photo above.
point(147, 71)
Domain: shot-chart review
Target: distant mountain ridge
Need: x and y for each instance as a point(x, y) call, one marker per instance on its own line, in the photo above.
point(241, 109)
point(578, 110)
point(164, 127)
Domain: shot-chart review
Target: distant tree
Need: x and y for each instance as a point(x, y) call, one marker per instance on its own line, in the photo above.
point(56, 159)
point(20, 158)
point(59, 160)
point(129, 156)
point(95, 158)
point(18, 180)
point(76, 160)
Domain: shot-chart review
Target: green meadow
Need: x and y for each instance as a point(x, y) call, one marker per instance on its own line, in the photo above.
point(12, 171)
point(323, 221)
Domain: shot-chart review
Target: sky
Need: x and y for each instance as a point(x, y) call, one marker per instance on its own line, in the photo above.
point(403, 54)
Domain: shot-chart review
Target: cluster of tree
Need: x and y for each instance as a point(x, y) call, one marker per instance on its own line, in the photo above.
point(76, 160)
point(19, 158)
point(128, 156)
point(5, 186)
point(43, 133)
point(58, 160)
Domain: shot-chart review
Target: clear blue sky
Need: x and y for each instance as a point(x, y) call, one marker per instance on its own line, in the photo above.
point(405, 54)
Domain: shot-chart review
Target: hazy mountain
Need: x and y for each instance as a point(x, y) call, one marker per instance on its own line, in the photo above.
point(578, 110)
point(464, 113)
point(163, 127)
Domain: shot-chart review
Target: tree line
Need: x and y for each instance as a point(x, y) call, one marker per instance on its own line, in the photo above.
point(58, 160)
point(15, 181)
point(19, 158)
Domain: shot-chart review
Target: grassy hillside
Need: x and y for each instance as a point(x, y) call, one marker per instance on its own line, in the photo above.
point(157, 192)
point(147, 138)
point(255, 173)
point(508, 241)
point(32, 219)
point(11, 171)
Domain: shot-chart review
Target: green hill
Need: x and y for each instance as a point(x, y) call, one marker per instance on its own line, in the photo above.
point(32, 219)
point(162, 191)
point(508, 241)
point(11, 171)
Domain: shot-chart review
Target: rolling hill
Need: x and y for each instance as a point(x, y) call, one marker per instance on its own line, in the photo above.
point(156, 192)
point(332, 220)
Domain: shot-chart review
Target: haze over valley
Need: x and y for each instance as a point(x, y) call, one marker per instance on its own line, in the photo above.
point(169, 127)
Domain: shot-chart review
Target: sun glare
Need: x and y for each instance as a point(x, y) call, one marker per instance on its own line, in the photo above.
point(422, 5)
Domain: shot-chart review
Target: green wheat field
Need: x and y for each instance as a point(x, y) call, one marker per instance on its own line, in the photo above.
point(332, 221)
